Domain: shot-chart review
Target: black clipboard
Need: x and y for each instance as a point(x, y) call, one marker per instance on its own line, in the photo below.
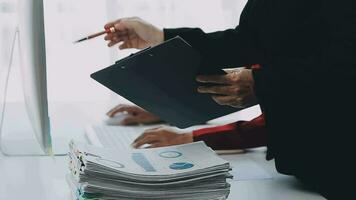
point(161, 79)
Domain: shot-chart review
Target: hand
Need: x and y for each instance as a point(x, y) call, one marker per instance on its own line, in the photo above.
point(162, 136)
point(235, 89)
point(133, 33)
point(137, 115)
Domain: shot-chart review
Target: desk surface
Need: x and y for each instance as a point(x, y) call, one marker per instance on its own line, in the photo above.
point(43, 178)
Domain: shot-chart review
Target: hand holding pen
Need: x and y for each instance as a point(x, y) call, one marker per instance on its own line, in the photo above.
point(131, 33)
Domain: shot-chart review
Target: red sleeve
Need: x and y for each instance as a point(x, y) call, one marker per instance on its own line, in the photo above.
point(239, 135)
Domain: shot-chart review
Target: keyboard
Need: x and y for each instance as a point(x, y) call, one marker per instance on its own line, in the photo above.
point(119, 137)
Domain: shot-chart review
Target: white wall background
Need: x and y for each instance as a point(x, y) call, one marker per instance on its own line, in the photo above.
point(69, 65)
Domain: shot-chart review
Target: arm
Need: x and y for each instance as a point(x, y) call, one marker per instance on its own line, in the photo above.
point(229, 48)
point(233, 47)
point(333, 64)
point(240, 135)
point(339, 18)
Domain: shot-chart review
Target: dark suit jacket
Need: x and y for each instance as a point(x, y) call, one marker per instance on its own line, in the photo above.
point(306, 86)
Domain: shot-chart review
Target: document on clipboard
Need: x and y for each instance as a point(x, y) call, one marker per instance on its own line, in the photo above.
point(162, 80)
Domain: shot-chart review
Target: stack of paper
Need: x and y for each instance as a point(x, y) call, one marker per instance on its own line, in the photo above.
point(191, 171)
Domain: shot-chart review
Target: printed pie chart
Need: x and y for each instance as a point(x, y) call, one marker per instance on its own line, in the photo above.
point(181, 165)
point(110, 163)
point(170, 154)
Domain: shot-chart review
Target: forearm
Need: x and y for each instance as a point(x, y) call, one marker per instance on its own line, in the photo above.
point(229, 48)
point(240, 135)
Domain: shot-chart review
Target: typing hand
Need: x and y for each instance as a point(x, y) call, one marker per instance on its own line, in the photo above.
point(162, 136)
point(133, 33)
point(235, 89)
point(136, 115)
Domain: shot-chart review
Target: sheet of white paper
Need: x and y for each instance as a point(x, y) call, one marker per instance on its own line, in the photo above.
point(248, 170)
point(157, 161)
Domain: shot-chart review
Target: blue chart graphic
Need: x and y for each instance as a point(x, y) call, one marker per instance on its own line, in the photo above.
point(181, 165)
point(141, 160)
point(110, 163)
point(170, 154)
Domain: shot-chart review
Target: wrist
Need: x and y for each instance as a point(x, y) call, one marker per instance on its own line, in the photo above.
point(187, 138)
point(159, 37)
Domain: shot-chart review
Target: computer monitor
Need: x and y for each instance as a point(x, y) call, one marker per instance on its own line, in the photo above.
point(32, 51)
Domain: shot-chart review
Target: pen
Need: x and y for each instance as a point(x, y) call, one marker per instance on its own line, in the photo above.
point(110, 30)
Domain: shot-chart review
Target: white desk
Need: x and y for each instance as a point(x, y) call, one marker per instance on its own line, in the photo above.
point(42, 178)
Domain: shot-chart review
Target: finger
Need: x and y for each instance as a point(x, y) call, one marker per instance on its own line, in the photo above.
point(223, 90)
point(149, 139)
point(115, 41)
point(158, 144)
point(126, 45)
point(140, 137)
point(111, 24)
point(117, 38)
point(152, 131)
point(122, 33)
point(226, 100)
point(131, 120)
point(115, 24)
point(108, 36)
point(123, 108)
point(127, 42)
point(232, 70)
point(113, 111)
point(112, 43)
point(119, 34)
point(219, 79)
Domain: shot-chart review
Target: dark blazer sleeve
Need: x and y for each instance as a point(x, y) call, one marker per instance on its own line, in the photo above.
point(334, 67)
point(230, 48)
point(239, 135)
point(340, 20)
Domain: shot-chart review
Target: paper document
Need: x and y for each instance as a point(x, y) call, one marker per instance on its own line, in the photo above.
point(249, 170)
point(175, 172)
